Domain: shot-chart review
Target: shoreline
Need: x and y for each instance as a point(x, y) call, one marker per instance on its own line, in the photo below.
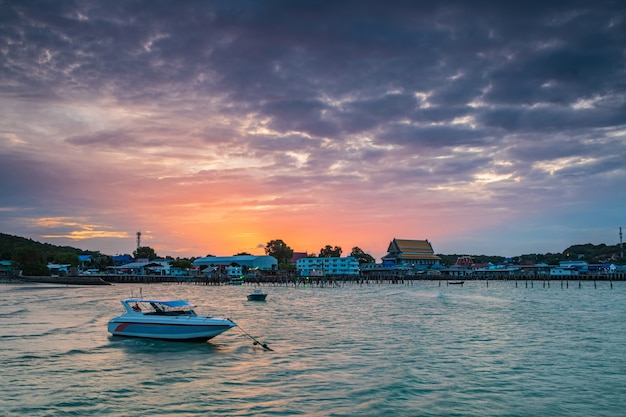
point(294, 280)
point(55, 280)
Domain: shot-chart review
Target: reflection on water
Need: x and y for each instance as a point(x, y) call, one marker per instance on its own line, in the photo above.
point(419, 349)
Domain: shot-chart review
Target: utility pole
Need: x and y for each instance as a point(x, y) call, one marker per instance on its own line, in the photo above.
point(138, 240)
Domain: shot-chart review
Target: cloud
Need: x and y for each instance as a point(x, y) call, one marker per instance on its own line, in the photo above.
point(350, 121)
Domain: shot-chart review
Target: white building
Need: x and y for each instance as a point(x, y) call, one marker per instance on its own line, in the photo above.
point(143, 267)
point(316, 267)
point(234, 271)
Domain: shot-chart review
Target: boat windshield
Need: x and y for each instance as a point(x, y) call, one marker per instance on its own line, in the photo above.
point(160, 307)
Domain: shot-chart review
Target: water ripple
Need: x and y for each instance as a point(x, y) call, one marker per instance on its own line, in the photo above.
point(371, 350)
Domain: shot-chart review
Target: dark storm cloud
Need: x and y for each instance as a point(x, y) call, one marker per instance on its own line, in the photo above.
point(363, 115)
point(552, 118)
point(299, 115)
point(415, 137)
point(279, 58)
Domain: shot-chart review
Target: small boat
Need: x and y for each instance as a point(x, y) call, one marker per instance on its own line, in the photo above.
point(456, 282)
point(257, 295)
point(166, 319)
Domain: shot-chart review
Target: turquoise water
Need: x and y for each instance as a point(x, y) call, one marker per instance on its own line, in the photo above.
point(371, 350)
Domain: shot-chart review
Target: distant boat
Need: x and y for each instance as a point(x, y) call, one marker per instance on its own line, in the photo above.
point(166, 319)
point(456, 282)
point(257, 295)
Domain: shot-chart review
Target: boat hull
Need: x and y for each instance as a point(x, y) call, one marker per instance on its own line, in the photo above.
point(168, 331)
point(257, 297)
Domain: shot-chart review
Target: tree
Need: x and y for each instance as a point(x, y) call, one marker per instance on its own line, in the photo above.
point(67, 258)
point(330, 252)
point(101, 262)
point(182, 263)
point(31, 263)
point(145, 252)
point(279, 250)
point(362, 257)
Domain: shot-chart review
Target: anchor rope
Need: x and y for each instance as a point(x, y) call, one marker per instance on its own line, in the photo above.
point(256, 342)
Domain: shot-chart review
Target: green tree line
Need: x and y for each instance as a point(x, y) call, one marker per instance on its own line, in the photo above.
point(31, 257)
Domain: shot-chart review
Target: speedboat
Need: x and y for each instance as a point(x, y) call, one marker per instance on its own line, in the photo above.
point(166, 319)
point(257, 295)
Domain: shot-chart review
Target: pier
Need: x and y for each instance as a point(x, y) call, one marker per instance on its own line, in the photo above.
point(287, 279)
point(295, 280)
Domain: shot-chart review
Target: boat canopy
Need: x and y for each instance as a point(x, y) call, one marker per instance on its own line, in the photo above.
point(168, 303)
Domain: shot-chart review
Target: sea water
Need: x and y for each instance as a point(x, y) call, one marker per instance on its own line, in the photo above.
point(496, 348)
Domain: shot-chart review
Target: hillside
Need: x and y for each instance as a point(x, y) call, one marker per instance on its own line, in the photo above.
point(9, 245)
point(31, 257)
point(593, 254)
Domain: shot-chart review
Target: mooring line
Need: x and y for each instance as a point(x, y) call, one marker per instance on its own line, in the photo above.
point(256, 342)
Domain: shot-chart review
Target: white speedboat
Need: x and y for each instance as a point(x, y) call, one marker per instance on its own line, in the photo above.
point(257, 295)
point(166, 319)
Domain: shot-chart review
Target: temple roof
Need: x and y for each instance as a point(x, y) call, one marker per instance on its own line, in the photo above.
point(410, 249)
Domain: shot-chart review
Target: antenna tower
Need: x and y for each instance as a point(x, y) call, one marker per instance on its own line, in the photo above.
point(138, 240)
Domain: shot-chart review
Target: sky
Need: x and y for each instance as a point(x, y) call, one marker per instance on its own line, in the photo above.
point(214, 127)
